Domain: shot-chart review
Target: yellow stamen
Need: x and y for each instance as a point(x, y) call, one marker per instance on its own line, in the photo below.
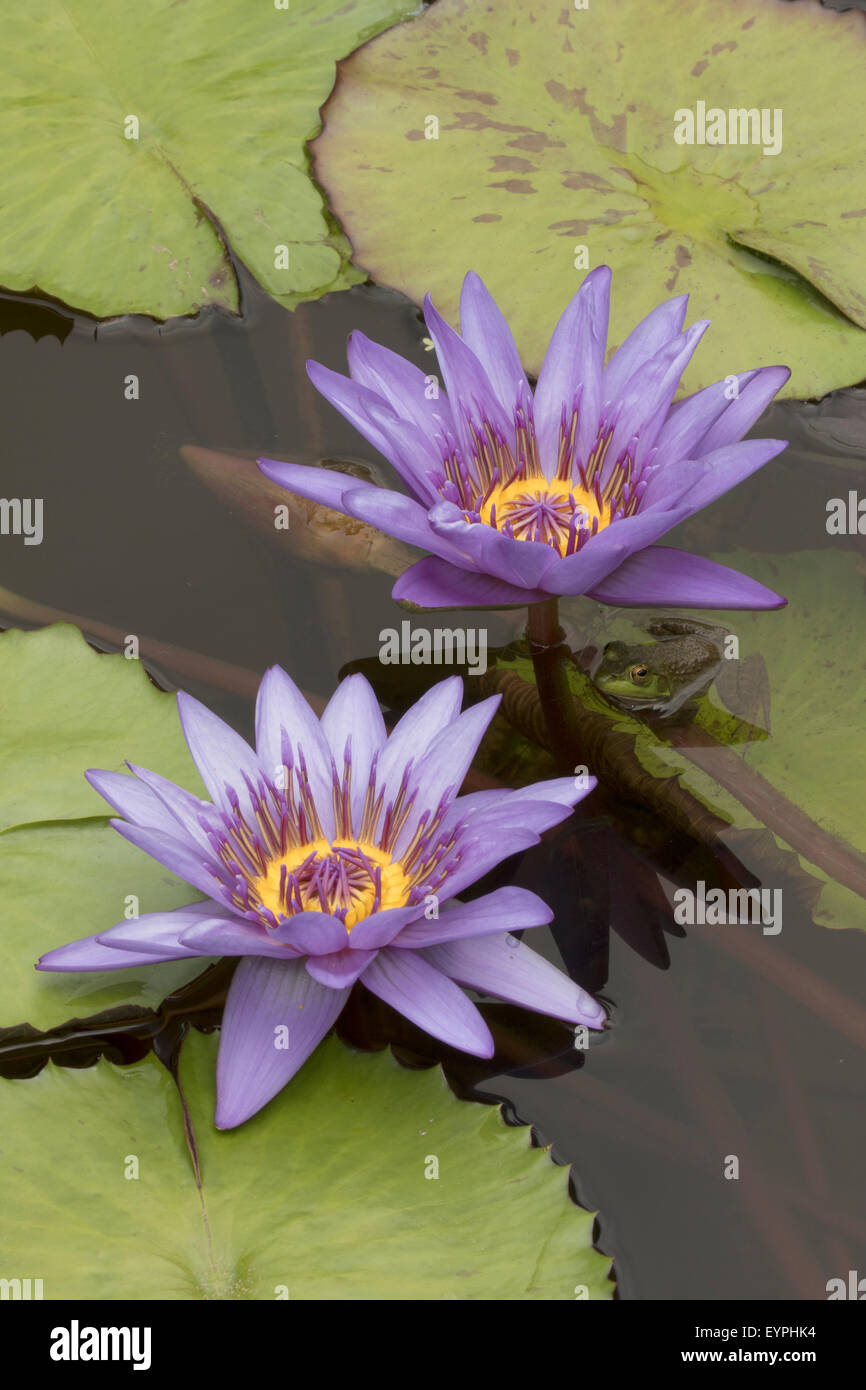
point(543, 511)
point(319, 896)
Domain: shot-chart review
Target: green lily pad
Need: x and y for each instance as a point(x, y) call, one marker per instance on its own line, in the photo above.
point(64, 881)
point(114, 218)
point(65, 708)
point(323, 1195)
point(64, 873)
point(813, 651)
point(556, 131)
point(814, 654)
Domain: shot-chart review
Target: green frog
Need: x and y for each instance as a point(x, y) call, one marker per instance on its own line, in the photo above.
point(660, 677)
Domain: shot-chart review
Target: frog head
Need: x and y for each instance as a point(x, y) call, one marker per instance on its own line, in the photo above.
point(627, 676)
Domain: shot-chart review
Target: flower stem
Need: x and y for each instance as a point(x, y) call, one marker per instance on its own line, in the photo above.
point(550, 657)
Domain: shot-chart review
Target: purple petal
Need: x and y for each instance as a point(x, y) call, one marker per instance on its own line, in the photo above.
point(89, 954)
point(523, 563)
point(417, 990)
point(693, 483)
point(506, 968)
point(235, 938)
point(318, 484)
point(742, 413)
point(647, 398)
point(652, 333)
point(397, 515)
point(446, 763)
point(353, 719)
point(265, 996)
point(158, 932)
point(563, 790)
point(378, 423)
point(473, 400)
point(381, 928)
point(340, 969)
point(479, 856)
point(690, 419)
point(221, 755)
point(665, 576)
point(580, 573)
point(313, 933)
point(176, 854)
point(571, 373)
point(283, 716)
point(486, 332)
point(709, 419)
point(433, 583)
point(401, 385)
point(185, 810)
point(507, 909)
point(529, 813)
point(151, 801)
point(131, 799)
point(417, 457)
point(415, 731)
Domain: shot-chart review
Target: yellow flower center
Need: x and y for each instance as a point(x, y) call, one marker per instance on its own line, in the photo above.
point(552, 512)
point(346, 879)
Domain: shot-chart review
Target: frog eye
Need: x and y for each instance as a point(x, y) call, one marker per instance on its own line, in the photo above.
point(639, 674)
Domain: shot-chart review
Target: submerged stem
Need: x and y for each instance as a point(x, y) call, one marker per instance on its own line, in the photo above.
point(550, 658)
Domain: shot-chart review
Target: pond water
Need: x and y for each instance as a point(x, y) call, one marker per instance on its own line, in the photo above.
point(724, 1041)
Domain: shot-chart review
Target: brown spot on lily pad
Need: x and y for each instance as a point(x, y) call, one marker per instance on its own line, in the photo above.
point(536, 141)
point(513, 56)
point(583, 178)
point(480, 41)
point(682, 258)
point(486, 98)
point(512, 162)
point(487, 217)
point(699, 67)
point(515, 186)
point(476, 120)
point(571, 97)
point(569, 228)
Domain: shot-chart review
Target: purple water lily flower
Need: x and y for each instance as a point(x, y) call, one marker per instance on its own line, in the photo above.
point(326, 856)
point(522, 496)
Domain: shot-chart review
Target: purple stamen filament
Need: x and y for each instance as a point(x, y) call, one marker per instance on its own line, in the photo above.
point(564, 512)
point(277, 861)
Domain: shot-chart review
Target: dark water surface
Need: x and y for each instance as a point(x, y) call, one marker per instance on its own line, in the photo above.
point(715, 1048)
